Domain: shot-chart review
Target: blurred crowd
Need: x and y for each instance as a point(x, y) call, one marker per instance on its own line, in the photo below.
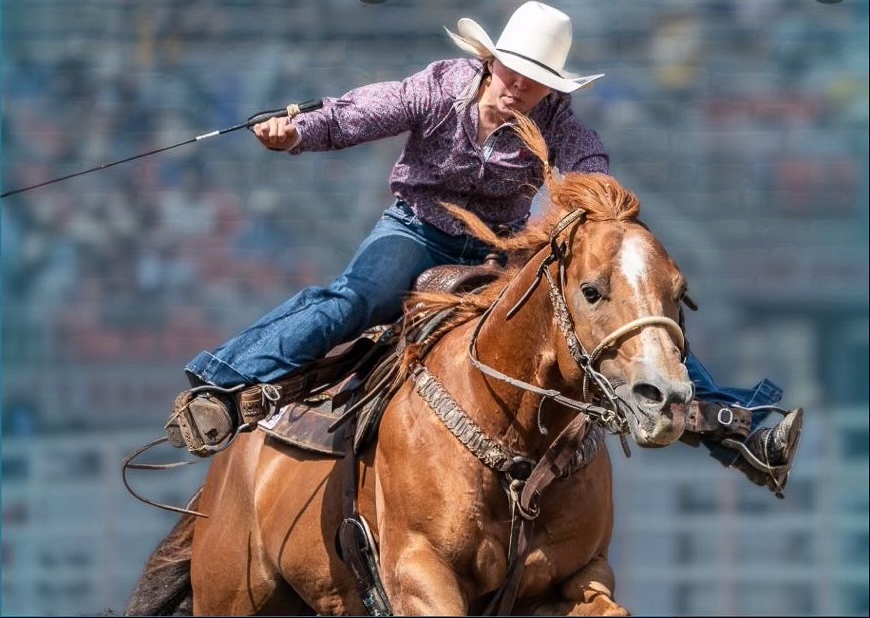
point(741, 124)
point(164, 255)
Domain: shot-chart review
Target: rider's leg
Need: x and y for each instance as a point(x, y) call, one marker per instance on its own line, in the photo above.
point(727, 421)
point(304, 328)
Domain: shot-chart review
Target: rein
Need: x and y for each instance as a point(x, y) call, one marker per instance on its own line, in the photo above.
point(129, 464)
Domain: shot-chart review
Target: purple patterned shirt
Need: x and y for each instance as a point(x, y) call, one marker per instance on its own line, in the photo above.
point(441, 161)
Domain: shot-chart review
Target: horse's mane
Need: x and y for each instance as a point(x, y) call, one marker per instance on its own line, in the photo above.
point(599, 196)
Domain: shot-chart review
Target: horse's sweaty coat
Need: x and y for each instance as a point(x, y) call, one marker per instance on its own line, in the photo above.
point(441, 517)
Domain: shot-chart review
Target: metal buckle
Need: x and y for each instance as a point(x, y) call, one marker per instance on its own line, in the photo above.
point(725, 413)
point(520, 469)
point(271, 394)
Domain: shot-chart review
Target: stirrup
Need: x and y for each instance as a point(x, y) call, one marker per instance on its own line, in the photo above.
point(184, 429)
point(776, 476)
point(754, 461)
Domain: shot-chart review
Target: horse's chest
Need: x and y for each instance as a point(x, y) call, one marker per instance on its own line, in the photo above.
point(565, 548)
point(561, 545)
point(558, 548)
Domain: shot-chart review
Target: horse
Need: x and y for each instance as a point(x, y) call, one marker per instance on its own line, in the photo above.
point(450, 521)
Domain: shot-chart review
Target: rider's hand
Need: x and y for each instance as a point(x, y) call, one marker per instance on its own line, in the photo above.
point(277, 134)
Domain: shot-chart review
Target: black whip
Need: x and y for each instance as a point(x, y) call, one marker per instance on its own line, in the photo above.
point(290, 111)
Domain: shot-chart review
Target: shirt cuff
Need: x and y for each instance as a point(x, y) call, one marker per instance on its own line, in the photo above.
point(293, 148)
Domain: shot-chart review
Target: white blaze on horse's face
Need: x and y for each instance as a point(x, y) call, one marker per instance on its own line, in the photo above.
point(633, 260)
point(654, 384)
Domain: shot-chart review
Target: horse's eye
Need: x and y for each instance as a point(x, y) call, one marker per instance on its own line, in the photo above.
point(590, 293)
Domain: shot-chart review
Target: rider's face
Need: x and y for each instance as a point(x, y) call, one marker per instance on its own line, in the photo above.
point(512, 92)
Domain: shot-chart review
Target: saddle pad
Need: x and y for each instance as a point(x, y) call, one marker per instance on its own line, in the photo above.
point(306, 427)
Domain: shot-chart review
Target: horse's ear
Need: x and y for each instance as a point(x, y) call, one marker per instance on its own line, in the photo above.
point(687, 300)
point(643, 225)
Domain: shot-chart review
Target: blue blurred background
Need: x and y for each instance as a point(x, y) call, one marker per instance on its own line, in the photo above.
point(742, 126)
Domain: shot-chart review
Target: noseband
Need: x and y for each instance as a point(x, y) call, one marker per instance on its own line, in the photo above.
point(610, 416)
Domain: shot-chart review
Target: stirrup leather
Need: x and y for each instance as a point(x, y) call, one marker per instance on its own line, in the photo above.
point(259, 402)
point(718, 419)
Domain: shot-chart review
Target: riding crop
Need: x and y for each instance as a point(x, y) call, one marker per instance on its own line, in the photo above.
point(291, 111)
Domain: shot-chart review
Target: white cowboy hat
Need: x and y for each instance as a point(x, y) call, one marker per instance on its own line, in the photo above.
point(534, 43)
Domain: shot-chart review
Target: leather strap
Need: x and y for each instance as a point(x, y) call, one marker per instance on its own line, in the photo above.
point(262, 400)
point(354, 537)
point(555, 463)
point(705, 417)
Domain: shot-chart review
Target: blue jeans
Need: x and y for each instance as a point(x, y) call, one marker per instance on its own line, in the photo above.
point(765, 393)
point(368, 293)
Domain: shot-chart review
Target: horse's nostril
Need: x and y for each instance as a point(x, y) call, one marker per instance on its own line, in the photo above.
point(647, 393)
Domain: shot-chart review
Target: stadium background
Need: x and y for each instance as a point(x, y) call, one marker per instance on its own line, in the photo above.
point(742, 125)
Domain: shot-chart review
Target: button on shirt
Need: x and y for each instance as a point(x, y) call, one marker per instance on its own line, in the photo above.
point(441, 161)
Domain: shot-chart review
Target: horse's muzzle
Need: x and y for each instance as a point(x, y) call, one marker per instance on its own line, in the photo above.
point(656, 410)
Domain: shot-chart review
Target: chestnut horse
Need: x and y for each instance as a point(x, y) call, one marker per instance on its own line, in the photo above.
point(514, 361)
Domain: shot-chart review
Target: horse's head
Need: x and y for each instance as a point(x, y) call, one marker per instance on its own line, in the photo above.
point(623, 294)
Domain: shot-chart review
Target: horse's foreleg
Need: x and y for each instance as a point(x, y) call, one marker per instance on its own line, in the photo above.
point(589, 592)
point(420, 584)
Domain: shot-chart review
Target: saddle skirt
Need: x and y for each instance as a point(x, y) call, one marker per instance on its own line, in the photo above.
point(305, 425)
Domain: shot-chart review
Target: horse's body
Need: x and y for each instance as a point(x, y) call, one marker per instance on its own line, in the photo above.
point(441, 517)
point(277, 522)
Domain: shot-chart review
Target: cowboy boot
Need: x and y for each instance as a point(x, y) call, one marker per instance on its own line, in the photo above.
point(767, 455)
point(201, 419)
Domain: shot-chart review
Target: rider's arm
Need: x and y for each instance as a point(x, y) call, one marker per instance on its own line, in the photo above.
point(375, 111)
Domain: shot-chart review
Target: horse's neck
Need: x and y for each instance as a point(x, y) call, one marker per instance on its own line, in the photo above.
point(522, 347)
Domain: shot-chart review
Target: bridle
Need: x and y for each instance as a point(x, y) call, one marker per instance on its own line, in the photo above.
point(610, 415)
